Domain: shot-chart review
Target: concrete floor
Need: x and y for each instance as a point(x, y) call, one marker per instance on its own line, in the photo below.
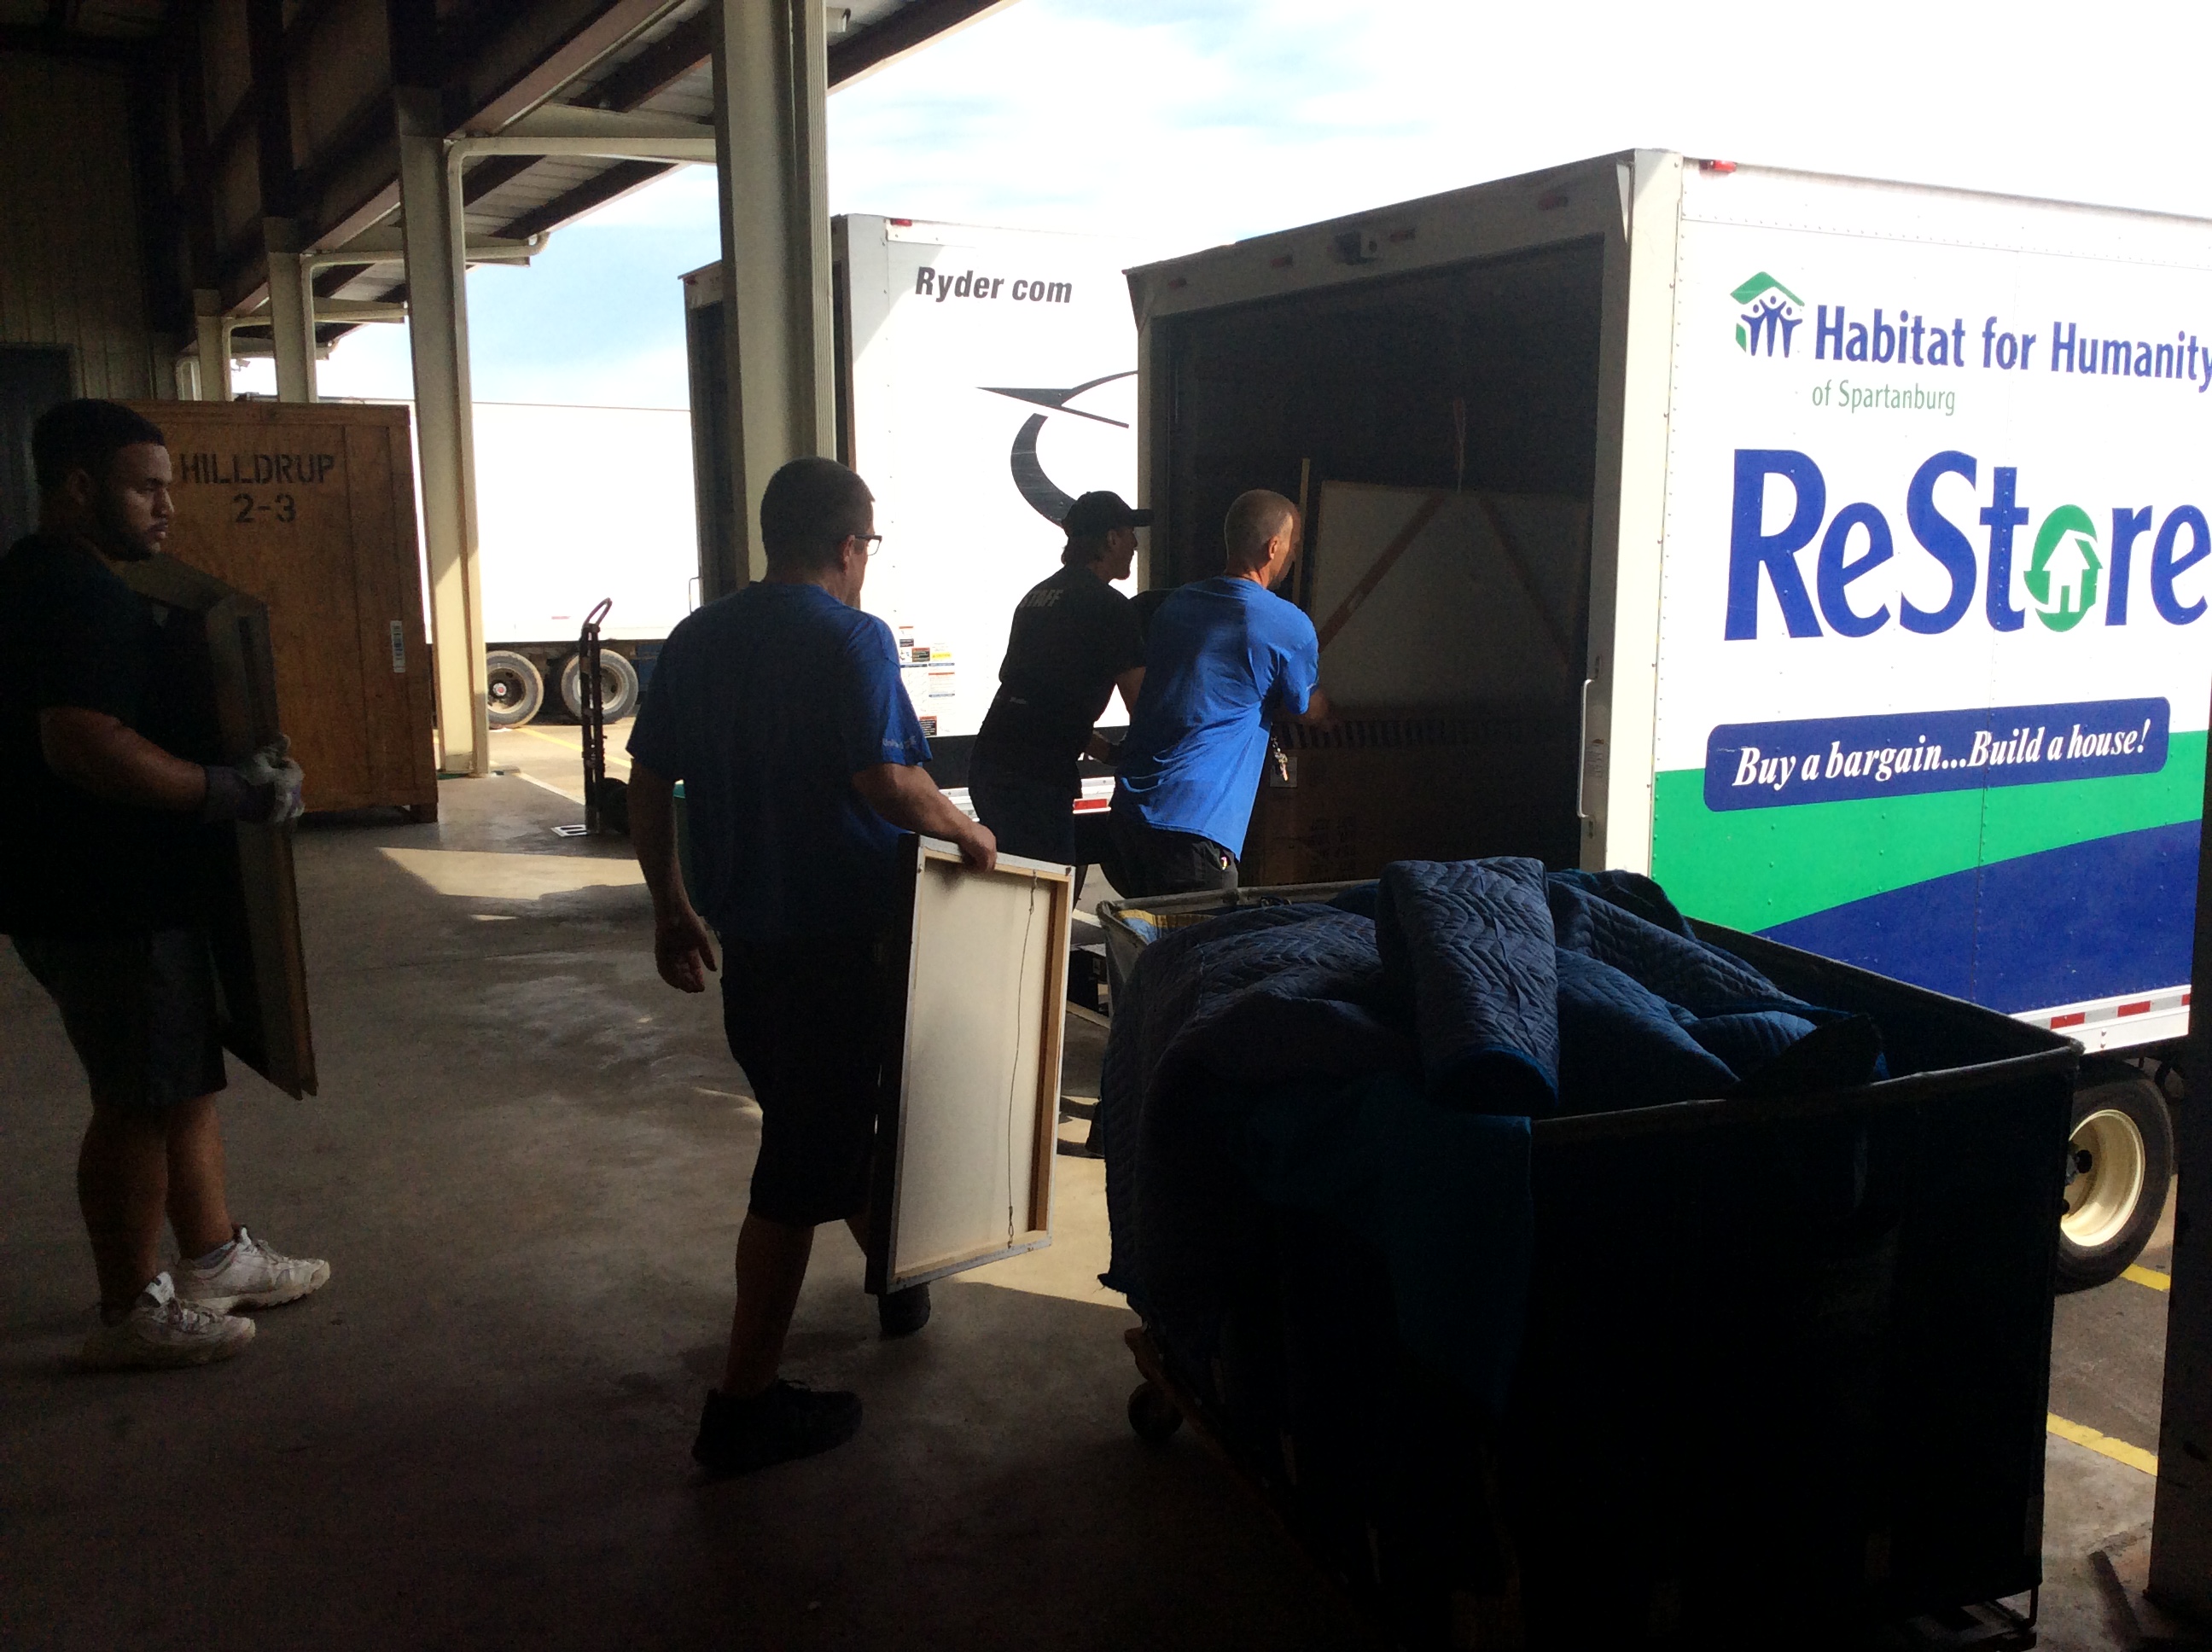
point(527, 1165)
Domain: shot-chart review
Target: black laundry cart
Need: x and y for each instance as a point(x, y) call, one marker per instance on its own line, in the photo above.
point(1784, 1373)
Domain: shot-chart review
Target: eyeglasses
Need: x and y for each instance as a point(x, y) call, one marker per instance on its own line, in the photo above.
point(874, 541)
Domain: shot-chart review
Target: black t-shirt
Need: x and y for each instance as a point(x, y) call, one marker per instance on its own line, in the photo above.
point(72, 633)
point(1072, 637)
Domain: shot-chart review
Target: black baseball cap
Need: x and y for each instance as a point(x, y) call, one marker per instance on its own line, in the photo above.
point(1098, 512)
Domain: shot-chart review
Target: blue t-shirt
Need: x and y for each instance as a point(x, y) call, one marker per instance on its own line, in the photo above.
point(765, 704)
point(1222, 659)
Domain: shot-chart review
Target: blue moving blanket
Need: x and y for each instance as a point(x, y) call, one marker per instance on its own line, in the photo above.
point(1376, 1061)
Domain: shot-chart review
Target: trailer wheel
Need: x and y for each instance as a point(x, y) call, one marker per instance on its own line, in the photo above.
point(2119, 1160)
point(515, 692)
point(617, 686)
point(1153, 1415)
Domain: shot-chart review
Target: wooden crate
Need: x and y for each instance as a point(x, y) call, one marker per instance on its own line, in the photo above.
point(311, 508)
point(1414, 784)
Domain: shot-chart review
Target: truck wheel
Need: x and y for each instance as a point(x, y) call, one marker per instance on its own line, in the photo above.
point(2119, 1160)
point(617, 685)
point(513, 691)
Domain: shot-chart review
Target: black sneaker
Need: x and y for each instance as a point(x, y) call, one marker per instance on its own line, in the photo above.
point(903, 1312)
point(783, 1421)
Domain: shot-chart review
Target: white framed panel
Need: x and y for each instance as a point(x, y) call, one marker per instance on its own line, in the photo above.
point(968, 1125)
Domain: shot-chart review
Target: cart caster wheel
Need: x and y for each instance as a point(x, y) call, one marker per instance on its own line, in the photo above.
point(1153, 1415)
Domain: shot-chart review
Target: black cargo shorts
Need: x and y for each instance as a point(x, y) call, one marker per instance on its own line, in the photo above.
point(140, 1010)
point(806, 1021)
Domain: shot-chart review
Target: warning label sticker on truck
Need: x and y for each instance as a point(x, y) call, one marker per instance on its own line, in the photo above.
point(1827, 760)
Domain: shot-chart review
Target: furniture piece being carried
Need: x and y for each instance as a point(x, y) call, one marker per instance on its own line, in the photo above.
point(310, 508)
point(255, 932)
point(966, 1126)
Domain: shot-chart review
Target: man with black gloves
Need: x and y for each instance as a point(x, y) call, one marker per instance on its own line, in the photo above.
point(780, 710)
point(104, 885)
point(1073, 642)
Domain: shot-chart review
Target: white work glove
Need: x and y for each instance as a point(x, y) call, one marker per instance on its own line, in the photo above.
point(272, 766)
point(262, 791)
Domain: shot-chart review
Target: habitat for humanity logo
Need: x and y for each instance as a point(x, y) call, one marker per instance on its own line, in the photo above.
point(1774, 314)
point(2061, 576)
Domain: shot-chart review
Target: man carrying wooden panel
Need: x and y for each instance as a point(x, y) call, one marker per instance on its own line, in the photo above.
point(780, 710)
point(104, 886)
point(1224, 658)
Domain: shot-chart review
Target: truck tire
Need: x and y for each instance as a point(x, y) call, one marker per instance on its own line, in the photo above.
point(515, 692)
point(2119, 1160)
point(617, 685)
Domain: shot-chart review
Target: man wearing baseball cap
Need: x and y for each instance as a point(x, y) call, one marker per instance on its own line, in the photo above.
point(1075, 641)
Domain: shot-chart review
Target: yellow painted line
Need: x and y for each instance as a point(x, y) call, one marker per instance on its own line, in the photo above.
point(576, 750)
point(2103, 1444)
point(2150, 1277)
point(616, 765)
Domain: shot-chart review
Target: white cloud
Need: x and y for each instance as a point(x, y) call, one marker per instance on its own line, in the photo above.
point(1178, 123)
point(1185, 123)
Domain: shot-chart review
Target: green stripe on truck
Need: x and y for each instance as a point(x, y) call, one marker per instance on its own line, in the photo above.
point(1754, 868)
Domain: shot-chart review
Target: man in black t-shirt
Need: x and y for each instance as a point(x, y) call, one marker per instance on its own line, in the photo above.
point(1074, 642)
point(111, 792)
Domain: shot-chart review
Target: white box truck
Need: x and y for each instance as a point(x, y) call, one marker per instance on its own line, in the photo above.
point(985, 378)
point(1835, 551)
point(575, 505)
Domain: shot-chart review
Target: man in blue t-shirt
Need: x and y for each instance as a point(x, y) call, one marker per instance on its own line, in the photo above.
point(1223, 659)
point(780, 710)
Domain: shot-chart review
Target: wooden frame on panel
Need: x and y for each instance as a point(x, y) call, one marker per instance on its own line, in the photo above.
point(969, 1103)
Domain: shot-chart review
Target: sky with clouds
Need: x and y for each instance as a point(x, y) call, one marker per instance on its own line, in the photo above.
point(1179, 124)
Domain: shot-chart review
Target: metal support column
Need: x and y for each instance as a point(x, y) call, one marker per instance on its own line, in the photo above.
point(771, 90)
point(291, 312)
point(214, 344)
point(437, 298)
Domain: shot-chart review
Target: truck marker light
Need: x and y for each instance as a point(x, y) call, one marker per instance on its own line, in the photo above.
point(1280, 261)
point(1553, 202)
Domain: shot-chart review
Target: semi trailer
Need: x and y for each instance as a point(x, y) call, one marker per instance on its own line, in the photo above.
point(575, 504)
point(1831, 550)
point(984, 379)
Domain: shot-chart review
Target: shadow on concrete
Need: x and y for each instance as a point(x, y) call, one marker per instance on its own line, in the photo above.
point(527, 1167)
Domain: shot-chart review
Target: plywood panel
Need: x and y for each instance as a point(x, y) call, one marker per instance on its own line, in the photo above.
point(254, 931)
point(966, 1150)
point(1434, 599)
point(310, 509)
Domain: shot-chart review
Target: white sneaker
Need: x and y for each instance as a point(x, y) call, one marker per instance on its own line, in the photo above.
point(160, 1331)
point(249, 1275)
